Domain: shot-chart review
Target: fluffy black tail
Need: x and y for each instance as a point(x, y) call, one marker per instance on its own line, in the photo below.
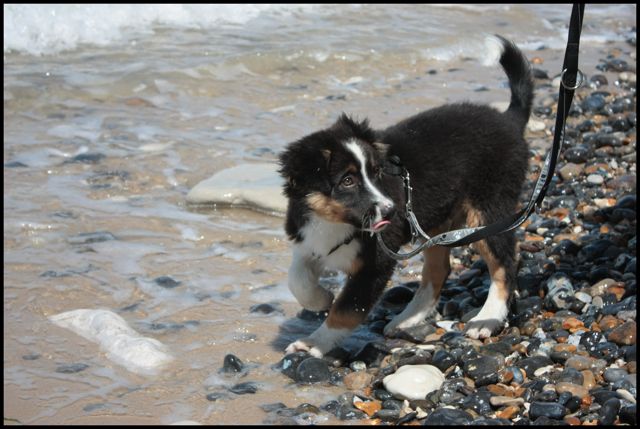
point(518, 71)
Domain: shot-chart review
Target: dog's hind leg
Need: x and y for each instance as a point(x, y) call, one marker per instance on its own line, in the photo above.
point(498, 252)
point(435, 271)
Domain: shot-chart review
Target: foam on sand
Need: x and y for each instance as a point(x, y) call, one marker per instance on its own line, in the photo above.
point(122, 344)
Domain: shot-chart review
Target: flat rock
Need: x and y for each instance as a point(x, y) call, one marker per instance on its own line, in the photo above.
point(122, 344)
point(413, 382)
point(253, 186)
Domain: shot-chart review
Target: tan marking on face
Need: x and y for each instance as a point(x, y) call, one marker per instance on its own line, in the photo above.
point(326, 207)
point(348, 320)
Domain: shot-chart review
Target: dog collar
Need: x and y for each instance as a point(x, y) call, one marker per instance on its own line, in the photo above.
point(337, 246)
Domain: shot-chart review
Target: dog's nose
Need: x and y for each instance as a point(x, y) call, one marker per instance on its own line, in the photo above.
point(387, 209)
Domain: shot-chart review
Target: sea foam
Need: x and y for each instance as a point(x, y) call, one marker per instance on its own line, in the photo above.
point(48, 29)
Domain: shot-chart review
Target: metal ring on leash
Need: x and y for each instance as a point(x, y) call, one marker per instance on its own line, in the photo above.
point(579, 80)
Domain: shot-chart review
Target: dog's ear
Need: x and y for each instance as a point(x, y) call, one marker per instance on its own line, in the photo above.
point(304, 164)
point(359, 129)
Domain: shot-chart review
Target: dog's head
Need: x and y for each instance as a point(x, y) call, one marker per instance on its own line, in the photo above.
point(336, 173)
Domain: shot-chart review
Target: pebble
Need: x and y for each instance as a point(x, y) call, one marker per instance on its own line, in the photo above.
point(575, 389)
point(166, 282)
point(357, 380)
point(628, 414)
point(499, 401)
point(71, 368)
point(551, 410)
point(413, 381)
point(611, 375)
point(312, 370)
point(265, 308)
point(447, 417)
point(289, 363)
point(624, 334)
point(244, 388)
point(609, 411)
point(91, 237)
point(531, 364)
point(595, 179)
point(483, 370)
point(214, 396)
point(570, 171)
point(232, 364)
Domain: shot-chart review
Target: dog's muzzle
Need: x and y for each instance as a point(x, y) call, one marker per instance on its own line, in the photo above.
point(384, 213)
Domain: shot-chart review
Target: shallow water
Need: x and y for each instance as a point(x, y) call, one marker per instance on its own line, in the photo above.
point(108, 133)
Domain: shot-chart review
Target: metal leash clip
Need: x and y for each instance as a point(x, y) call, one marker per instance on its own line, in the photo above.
point(579, 80)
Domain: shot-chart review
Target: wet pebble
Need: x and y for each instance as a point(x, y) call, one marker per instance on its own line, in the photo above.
point(609, 411)
point(232, 364)
point(266, 308)
point(357, 380)
point(71, 368)
point(86, 158)
point(531, 364)
point(551, 410)
point(483, 370)
point(312, 370)
point(244, 388)
point(215, 396)
point(624, 334)
point(628, 414)
point(166, 282)
point(447, 417)
point(289, 363)
point(91, 237)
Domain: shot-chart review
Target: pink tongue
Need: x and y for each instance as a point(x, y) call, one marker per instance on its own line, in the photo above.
point(380, 224)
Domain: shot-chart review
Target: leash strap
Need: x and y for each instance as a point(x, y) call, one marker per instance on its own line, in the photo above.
point(571, 78)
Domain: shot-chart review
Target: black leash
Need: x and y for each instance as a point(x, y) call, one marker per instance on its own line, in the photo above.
point(571, 78)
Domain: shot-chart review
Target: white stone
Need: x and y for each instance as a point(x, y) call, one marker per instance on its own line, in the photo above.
point(254, 186)
point(413, 381)
point(122, 344)
point(595, 179)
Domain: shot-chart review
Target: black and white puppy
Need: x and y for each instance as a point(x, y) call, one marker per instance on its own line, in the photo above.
point(467, 164)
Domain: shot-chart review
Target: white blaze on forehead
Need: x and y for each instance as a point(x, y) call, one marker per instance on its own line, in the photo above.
point(360, 156)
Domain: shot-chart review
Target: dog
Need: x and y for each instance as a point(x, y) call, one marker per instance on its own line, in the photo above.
point(467, 164)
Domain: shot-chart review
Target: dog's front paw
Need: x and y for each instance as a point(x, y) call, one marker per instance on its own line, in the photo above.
point(479, 329)
point(304, 345)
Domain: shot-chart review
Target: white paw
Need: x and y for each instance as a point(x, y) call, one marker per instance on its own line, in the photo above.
point(476, 333)
point(480, 329)
point(304, 346)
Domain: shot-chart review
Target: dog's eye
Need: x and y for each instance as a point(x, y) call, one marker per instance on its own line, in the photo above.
point(347, 181)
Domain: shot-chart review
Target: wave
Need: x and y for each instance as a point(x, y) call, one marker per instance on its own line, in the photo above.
point(49, 29)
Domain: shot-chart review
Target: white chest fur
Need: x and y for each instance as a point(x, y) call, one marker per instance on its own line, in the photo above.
point(320, 237)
